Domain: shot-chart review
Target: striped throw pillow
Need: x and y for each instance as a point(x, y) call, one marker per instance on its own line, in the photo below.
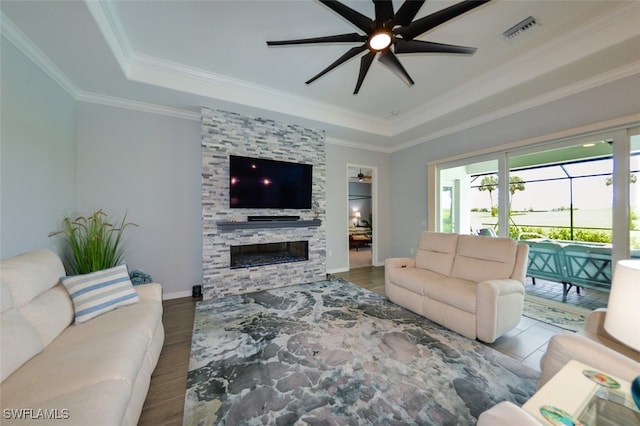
point(99, 292)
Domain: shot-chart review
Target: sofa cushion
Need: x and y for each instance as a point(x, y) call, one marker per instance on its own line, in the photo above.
point(69, 365)
point(456, 292)
point(414, 279)
point(31, 274)
point(99, 292)
point(35, 308)
point(19, 342)
point(436, 252)
point(483, 258)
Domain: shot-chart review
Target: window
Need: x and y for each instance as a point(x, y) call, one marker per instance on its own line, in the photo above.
point(562, 190)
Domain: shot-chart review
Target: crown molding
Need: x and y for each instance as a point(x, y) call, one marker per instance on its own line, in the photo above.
point(112, 31)
point(172, 75)
point(617, 25)
point(164, 73)
point(578, 87)
point(16, 37)
point(139, 106)
point(358, 145)
point(24, 44)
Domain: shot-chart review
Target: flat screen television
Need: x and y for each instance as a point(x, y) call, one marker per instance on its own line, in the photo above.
point(262, 183)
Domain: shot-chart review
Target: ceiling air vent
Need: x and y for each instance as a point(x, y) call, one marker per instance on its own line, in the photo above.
point(520, 27)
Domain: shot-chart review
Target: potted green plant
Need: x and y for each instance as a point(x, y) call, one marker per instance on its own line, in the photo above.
point(92, 243)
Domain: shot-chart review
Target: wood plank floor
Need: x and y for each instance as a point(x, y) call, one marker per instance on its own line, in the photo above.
point(165, 401)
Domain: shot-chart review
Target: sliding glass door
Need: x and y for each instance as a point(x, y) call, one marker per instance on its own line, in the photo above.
point(577, 190)
point(564, 193)
point(469, 198)
point(634, 194)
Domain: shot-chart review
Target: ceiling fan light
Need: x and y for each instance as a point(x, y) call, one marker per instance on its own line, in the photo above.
point(380, 41)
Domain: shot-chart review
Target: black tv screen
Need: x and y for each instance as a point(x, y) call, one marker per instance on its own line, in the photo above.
point(261, 183)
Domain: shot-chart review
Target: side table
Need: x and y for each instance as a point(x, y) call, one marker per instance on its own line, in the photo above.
point(572, 391)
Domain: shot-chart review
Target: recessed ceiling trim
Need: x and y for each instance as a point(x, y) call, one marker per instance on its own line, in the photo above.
point(358, 145)
point(628, 70)
point(616, 26)
point(159, 72)
point(175, 76)
point(112, 31)
point(147, 107)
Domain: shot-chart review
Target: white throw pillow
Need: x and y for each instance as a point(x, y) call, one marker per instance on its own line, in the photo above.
point(99, 292)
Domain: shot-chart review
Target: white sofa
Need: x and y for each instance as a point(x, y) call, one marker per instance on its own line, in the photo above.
point(54, 371)
point(473, 285)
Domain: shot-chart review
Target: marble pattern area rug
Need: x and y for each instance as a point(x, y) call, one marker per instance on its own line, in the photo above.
point(330, 353)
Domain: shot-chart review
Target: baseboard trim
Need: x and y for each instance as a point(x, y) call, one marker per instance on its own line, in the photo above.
point(337, 271)
point(176, 295)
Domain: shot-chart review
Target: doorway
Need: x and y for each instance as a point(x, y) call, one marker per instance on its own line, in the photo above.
point(361, 181)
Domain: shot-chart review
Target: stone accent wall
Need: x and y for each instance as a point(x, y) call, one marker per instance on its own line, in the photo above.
point(226, 133)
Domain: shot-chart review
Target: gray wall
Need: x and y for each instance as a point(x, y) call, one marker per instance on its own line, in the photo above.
point(37, 155)
point(409, 166)
point(338, 157)
point(148, 167)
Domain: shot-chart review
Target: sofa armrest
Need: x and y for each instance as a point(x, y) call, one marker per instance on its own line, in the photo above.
point(492, 289)
point(507, 413)
point(498, 307)
point(595, 323)
point(400, 262)
point(567, 346)
point(151, 291)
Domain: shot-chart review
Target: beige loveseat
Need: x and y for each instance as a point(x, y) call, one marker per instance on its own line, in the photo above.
point(471, 284)
point(56, 372)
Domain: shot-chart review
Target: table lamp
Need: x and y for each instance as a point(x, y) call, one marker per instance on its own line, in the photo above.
point(623, 311)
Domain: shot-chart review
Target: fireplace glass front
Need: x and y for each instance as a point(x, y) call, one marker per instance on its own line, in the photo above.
point(251, 255)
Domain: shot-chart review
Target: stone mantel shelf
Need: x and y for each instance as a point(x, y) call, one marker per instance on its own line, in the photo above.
point(230, 226)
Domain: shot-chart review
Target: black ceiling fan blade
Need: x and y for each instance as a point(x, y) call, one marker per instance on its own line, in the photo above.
point(407, 12)
point(356, 18)
point(340, 38)
point(384, 11)
point(419, 46)
point(389, 59)
point(365, 63)
point(344, 58)
point(423, 25)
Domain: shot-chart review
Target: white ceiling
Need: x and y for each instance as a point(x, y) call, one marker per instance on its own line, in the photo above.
point(175, 56)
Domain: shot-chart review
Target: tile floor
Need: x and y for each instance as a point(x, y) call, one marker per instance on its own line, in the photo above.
point(589, 299)
point(528, 341)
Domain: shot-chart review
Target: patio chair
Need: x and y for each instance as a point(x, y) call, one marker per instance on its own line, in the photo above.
point(588, 266)
point(545, 261)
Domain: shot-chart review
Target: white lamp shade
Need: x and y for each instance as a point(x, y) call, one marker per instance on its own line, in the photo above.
point(623, 312)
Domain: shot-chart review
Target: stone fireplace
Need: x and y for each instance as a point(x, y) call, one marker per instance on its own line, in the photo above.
point(225, 229)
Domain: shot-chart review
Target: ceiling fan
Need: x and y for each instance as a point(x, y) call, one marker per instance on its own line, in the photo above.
point(388, 34)
point(361, 177)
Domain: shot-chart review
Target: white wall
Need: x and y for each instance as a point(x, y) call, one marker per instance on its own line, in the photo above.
point(37, 155)
point(147, 166)
point(408, 181)
point(338, 157)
